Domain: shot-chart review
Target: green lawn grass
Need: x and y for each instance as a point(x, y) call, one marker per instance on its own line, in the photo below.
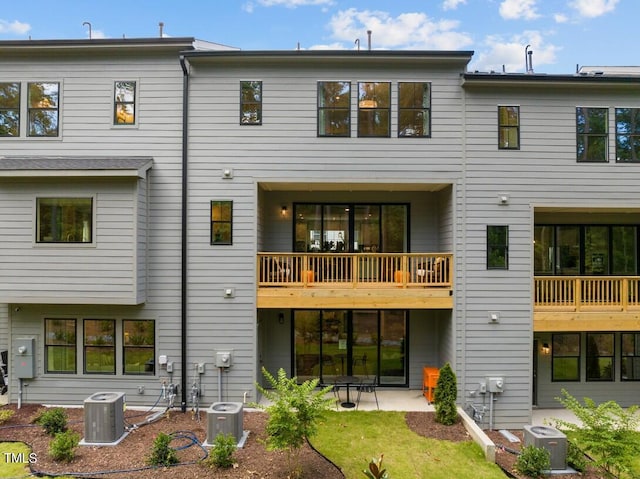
point(10, 465)
point(351, 439)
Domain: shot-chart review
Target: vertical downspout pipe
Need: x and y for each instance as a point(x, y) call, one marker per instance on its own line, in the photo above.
point(183, 276)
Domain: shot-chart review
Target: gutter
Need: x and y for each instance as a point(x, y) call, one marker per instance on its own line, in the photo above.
point(183, 273)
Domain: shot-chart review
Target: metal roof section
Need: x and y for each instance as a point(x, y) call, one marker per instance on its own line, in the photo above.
point(610, 70)
point(493, 79)
point(74, 166)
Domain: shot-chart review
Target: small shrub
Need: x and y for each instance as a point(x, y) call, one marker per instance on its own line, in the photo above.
point(162, 454)
point(221, 455)
point(375, 469)
point(62, 446)
point(445, 396)
point(533, 461)
point(53, 420)
point(575, 457)
point(5, 415)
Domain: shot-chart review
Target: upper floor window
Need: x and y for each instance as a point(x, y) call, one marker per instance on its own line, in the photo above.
point(565, 359)
point(509, 127)
point(600, 356)
point(42, 105)
point(628, 135)
point(592, 134)
point(630, 360)
point(251, 103)
point(60, 345)
point(374, 102)
point(497, 247)
point(221, 222)
point(9, 109)
point(414, 109)
point(100, 346)
point(124, 103)
point(334, 108)
point(138, 346)
point(64, 220)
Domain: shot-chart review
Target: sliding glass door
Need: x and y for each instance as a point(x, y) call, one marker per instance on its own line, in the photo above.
point(365, 343)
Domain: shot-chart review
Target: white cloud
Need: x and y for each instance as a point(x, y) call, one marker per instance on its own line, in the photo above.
point(499, 51)
point(248, 7)
point(452, 4)
point(294, 3)
point(408, 31)
point(518, 10)
point(100, 34)
point(560, 18)
point(14, 27)
point(593, 8)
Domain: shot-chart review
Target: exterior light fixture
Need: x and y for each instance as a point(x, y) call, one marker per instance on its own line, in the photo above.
point(281, 318)
point(283, 211)
point(545, 348)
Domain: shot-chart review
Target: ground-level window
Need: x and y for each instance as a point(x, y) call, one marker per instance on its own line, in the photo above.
point(600, 353)
point(64, 220)
point(630, 360)
point(497, 247)
point(565, 361)
point(99, 346)
point(60, 345)
point(138, 346)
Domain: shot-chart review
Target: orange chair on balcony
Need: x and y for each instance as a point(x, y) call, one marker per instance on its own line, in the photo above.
point(430, 377)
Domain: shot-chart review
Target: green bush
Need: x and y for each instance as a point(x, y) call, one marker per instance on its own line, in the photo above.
point(221, 455)
point(608, 433)
point(162, 454)
point(293, 414)
point(5, 415)
point(62, 446)
point(533, 461)
point(445, 396)
point(53, 420)
point(575, 457)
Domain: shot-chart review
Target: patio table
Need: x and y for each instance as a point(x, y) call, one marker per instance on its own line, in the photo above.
point(347, 381)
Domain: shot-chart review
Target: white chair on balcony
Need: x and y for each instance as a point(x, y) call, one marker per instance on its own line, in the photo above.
point(280, 272)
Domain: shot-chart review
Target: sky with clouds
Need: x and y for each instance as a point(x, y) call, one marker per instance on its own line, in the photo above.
point(563, 34)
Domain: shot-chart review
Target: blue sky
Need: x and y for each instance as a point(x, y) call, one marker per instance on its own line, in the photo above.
point(562, 33)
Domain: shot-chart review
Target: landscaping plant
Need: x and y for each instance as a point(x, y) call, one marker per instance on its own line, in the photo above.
point(62, 446)
point(162, 454)
point(533, 461)
point(5, 415)
point(445, 396)
point(221, 454)
point(293, 414)
point(608, 432)
point(53, 420)
point(375, 469)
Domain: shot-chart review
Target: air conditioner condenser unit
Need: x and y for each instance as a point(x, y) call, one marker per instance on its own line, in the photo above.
point(104, 419)
point(550, 439)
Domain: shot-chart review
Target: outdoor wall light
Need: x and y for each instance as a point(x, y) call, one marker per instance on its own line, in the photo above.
point(494, 316)
point(227, 173)
point(281, 318)
point(545, 348)
point(283, 211)
point(503, 199)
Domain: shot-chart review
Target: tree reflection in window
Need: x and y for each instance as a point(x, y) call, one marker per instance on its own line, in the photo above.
point(591, 127)
point(9, 109)
point(334, 104)
point(43, 109)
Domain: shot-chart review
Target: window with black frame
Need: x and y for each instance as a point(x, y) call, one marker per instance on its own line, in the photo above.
point(628, 135)
point(497, 247)
point(374, 109)
point(64, 220)
point(509, 127)
point(414, 109)
point(334, 108)
point(251, 103)
point(9, 109)
point(565, 357)
point(138, 346)
point(60, 345)
point(221, 222)
point(99, 346)
point(630, 357)
point(592, 134)
point(600, 356)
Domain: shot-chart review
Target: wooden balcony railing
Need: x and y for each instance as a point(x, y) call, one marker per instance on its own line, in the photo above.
point(355, 270)
point(584, 293)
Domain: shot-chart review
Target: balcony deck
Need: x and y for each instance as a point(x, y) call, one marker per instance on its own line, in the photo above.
point(355, 280)
point(586, 303)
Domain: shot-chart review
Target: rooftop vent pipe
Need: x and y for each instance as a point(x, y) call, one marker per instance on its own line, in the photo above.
point(161, 25)
point(528, 60)
point(369, 37)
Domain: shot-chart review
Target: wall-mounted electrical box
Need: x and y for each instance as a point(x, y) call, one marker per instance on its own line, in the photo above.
point(224, 359)
point(25, 361)
point(495, 384)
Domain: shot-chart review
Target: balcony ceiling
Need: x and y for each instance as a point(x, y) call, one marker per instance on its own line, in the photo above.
point(350, 186)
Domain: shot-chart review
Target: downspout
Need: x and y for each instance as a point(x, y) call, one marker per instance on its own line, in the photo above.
point(183, 277)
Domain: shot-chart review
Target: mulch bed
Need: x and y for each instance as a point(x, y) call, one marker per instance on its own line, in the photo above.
point(128, 459)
